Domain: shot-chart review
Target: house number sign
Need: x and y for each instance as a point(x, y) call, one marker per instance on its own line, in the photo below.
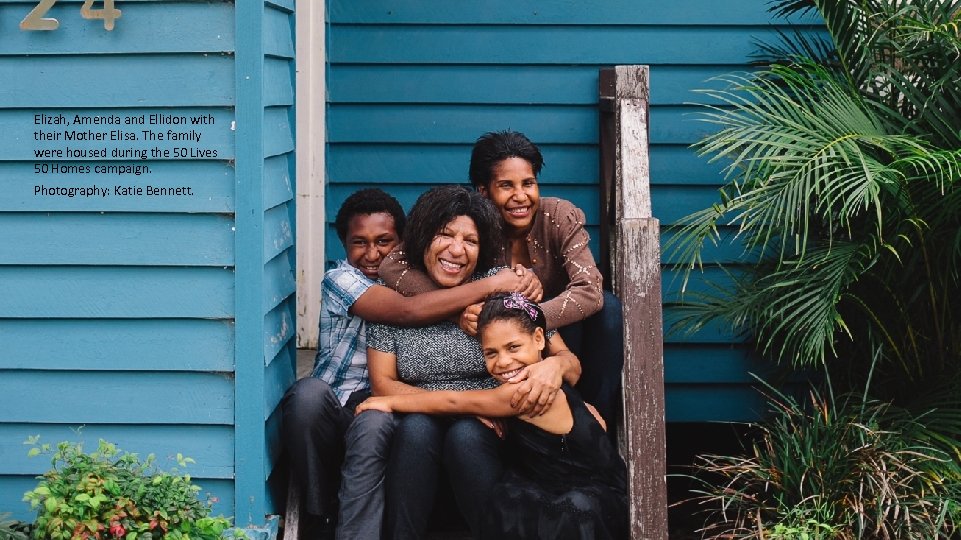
point(35, 20)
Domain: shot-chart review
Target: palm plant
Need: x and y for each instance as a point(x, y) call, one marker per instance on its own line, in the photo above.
point(842, 173)
point(843, 161)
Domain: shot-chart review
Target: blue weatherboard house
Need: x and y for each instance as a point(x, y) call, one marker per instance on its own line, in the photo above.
point(165, 315)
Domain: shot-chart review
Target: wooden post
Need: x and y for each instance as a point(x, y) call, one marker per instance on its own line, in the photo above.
point(637, 282)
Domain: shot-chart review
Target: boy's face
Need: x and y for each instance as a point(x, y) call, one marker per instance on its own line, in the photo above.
point(370, 237)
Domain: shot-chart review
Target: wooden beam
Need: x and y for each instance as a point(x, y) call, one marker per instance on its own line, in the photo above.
point(637, 282)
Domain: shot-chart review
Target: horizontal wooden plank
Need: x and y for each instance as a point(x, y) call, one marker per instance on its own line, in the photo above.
point(179, 80)
point(279, 281)
point(278, 232)
point(23, 136)
point(728, 250)
point(12, 489)
point(702, 364)
point(716, 332)
point(117, 239)
point(563, 163)
point(446, 163)
point(279, 328)
point(708, 281)
point(278, 33)
point(534, 12)
point(278, 82)
point(278, 131)
point(527, 84)
point(112, 344)
point(210, 182)
point(278, 188)
point(670, 203)
point(464, 123)
point(514, 44)
point(148, 27)
point(713, 403)
point(116, 292)
point(679, 164)
point(211, 447)
point(59, 397)
point(458, 123)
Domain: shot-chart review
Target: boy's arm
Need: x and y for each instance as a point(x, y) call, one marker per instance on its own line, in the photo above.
point(379, 304)
point(494, 402)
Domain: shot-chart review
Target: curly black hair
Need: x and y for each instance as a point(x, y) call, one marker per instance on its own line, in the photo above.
point(366, 202)
point(496, 146)
point(511, 307)
point(439, 206)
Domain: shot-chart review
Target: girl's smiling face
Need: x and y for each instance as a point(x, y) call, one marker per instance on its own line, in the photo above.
point(513, 190)
point(508, 347)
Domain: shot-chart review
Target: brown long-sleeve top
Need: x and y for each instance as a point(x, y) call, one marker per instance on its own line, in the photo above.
point(561, 259)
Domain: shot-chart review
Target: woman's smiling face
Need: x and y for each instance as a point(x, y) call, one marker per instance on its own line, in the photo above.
point(451, 257)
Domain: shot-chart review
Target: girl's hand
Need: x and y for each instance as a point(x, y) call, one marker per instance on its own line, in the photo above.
point(494, 423)
point(538, 386)
point(468, 319)
point(597, 415)
point(381, 403)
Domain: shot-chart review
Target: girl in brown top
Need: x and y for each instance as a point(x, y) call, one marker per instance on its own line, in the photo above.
point(547, 235)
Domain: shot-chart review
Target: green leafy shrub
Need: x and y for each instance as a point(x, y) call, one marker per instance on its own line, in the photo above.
point(824, 472)
point(843, 185)
point(112, 494)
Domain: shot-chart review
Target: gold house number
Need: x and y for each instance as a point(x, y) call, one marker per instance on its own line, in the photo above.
point(35, 20)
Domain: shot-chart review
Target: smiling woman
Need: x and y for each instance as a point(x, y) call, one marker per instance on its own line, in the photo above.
point(453, 235)
point(452, 255)
point(448, 212)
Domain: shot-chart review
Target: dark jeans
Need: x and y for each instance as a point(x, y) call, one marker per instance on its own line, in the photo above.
point(425, 445)
point(598, 341)
point(313, 435)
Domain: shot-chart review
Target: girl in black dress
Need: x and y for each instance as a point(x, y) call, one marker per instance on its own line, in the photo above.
point(564, 480)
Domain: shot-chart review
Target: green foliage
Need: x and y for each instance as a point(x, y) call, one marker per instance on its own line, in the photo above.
point(842, 161)
point(842, 179)
point(842, 173)
point(821, 471)
point(112, 494)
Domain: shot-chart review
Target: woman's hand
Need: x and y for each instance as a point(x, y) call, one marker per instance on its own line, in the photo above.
point(538, 386)
point(468, 319)
point(374, 404)
point(530, 286)
point(519, 279)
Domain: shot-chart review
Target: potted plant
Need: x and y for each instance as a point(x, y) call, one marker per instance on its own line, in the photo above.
point(109, 493)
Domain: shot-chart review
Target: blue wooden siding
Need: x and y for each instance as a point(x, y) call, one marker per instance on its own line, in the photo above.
point(162, 324)
point(412, 84)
